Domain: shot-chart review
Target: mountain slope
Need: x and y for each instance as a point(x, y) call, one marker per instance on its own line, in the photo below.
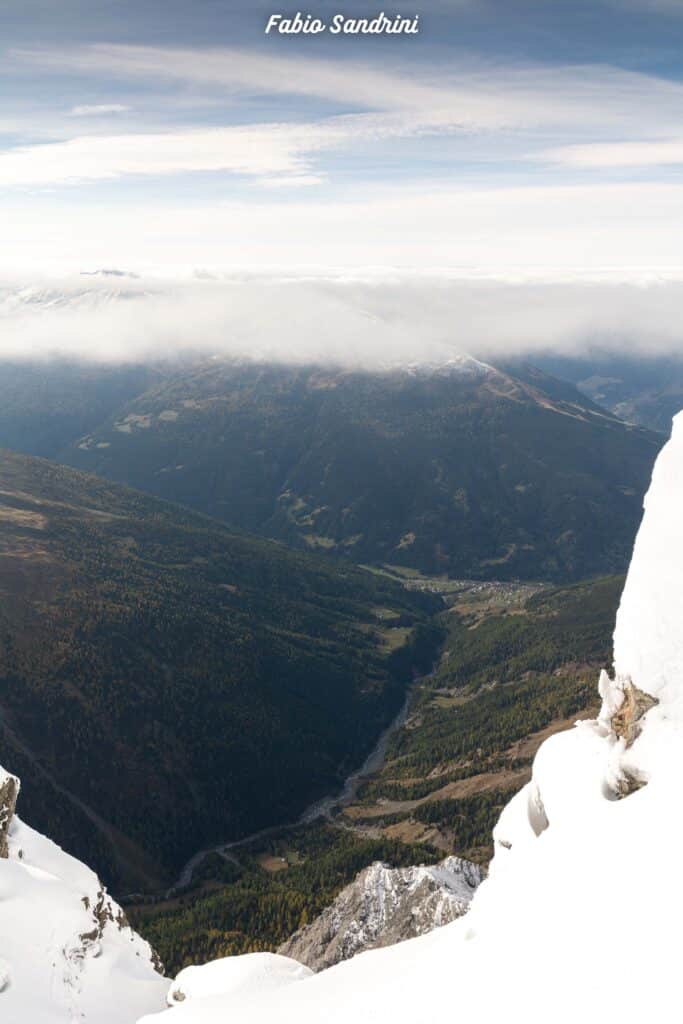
point(67, 952)
point(165, 682)
point(45, 405)
point(642, 389)
point(566, 924)
point(465, 469)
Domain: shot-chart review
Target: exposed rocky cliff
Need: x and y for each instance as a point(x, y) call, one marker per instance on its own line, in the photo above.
point(383, 906)
point(9, 789)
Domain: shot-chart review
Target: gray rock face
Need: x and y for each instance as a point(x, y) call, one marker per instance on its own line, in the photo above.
point(383, 906)
point(9, 790)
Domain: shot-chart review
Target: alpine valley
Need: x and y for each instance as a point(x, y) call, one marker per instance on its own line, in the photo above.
point(609, 782)
point(341, 512)
point(249, 580)
point(191, 683)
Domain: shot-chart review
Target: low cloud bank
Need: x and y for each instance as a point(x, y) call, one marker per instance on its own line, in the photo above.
point(371, 323)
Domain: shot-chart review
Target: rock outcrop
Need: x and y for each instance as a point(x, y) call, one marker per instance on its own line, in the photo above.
point(383, 906)
point(9, 790)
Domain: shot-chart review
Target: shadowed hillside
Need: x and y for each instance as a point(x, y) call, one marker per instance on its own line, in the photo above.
point(187, 682)
point(468, 470)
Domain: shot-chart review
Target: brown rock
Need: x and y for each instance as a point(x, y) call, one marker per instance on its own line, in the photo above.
point(9, 790)
point(626, 721)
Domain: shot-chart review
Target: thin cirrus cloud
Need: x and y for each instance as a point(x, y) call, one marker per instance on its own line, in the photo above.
point(575, 118)
point(97, 109)
point(239, 70)
point(651, 153)
point(274, 154)
point(475, 104)
point(477, 95)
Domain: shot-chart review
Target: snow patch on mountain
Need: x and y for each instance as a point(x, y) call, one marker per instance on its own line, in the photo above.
point(67, 953)
point(462, 364)
point(579, 917)
point(385, 905)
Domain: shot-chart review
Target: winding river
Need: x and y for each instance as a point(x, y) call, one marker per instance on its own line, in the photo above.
point(324, 808)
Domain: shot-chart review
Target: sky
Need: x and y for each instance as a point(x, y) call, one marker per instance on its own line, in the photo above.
point(509, 140)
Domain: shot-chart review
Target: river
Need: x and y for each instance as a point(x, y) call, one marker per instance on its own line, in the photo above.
point(324, 808)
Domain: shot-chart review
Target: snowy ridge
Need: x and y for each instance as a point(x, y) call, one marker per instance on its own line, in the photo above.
point(39, 299)
point(579, 917)
point(67, 953)
point(383, 906)
point(463, 365)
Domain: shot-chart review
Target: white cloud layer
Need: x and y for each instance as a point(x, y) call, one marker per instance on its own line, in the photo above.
point(387, 321)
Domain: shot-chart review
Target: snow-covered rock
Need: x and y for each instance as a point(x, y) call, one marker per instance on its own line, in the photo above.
point(383, 906)
point(211, 984)
point(580, 917)
point(67, 953)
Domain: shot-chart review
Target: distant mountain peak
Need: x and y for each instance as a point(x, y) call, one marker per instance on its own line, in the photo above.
point(110, 272)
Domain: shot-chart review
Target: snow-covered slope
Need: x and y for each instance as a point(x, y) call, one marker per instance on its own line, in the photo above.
point(383, 906)
point(579, 919)
point(234, 976)
point(67, 954)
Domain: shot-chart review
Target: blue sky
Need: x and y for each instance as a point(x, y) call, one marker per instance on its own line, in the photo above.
point(534, 137)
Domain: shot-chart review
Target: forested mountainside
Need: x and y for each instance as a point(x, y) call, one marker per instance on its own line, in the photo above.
point(465, 469)
point(639, 388)
point(46, 404)
point(514, 669)
point(165, 682)
point(518, 664)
